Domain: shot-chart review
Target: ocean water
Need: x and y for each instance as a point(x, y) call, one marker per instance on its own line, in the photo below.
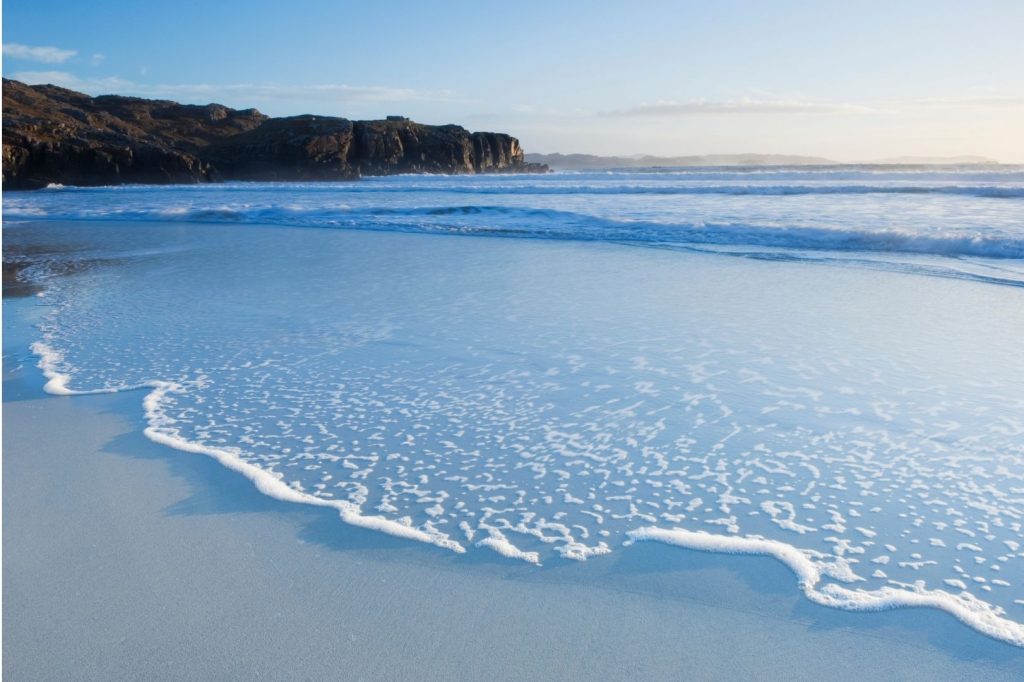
point(824, 366)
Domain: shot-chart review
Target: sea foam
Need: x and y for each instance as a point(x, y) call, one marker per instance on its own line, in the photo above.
point(965, 607)
point(161, 429)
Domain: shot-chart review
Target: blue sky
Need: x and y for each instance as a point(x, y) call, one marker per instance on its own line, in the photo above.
point(846, 80)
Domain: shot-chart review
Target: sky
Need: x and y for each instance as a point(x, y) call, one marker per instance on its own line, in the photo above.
point(851, 81)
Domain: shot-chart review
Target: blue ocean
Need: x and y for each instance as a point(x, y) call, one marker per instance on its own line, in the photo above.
point(822, 365)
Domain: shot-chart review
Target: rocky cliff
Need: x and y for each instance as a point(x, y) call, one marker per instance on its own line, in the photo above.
point(54, 135)
point(323, 148)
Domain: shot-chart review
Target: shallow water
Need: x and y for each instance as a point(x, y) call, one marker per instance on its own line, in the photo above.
point(558, 399)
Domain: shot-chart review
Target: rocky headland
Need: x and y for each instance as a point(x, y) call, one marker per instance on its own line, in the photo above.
point(55, 135)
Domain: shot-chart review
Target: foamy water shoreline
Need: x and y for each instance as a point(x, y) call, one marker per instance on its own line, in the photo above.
point(103, 529)
point(161, 430)
point(166, 434)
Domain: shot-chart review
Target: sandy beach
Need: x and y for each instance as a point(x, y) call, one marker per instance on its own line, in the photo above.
point(127, 560)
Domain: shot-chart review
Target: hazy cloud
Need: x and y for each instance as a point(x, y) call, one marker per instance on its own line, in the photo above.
point(745, 105)
point(987, 101)
point(245, 92)
point(370, 93)
point(97, 59)
point(751, 105)
point(96, 86)
point(48, 55)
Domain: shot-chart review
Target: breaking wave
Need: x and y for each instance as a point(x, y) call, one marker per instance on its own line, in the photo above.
point(505, 221)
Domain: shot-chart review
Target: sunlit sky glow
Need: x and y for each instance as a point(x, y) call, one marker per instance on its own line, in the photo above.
point(846, 80)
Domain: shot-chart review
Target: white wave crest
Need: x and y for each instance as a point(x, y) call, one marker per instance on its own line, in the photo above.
point(966, 608)
point(161, 429)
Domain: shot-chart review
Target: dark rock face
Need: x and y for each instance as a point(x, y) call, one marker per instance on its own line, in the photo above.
point(51, 134)
point(294, 148)
point(54, 135)
point(328, 148)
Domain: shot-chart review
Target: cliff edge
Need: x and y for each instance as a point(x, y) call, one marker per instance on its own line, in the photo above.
point(55, 135)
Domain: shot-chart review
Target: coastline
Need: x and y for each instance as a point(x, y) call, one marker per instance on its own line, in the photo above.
point(118, 546)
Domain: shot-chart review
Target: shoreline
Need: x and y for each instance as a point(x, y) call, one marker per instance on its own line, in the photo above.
point(996, 166)
point(979, 616)
point(183, 503)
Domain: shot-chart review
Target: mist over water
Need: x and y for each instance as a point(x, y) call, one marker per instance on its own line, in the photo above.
point(839, 381)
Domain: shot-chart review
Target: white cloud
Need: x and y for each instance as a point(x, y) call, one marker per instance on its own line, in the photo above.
point(94, 86)
point(237, 92)
point(48, 55)
point(97, 59)
point(744, 105)
point(987, 101)
point(768, 105)
point(370, 93)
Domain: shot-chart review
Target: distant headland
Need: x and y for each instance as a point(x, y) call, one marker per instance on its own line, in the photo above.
point(592, 162)
point(55, 135)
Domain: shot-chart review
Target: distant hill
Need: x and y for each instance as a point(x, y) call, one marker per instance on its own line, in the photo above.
point(592, 162)
point(933, 160)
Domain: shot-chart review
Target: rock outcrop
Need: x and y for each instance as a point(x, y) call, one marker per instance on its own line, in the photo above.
point(54, 135)
point(323, 147)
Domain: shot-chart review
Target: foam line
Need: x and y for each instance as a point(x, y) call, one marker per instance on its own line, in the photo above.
point(544, 223)
point(702, 184)
point(964, 607)
point(57, 381)
point(497, 541)
point(161, 430)
point(805, 564)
